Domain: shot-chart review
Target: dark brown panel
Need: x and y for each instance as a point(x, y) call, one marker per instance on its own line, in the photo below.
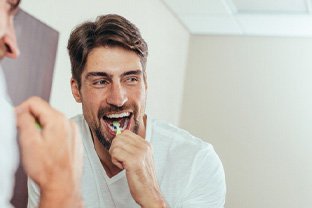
point(32, 73)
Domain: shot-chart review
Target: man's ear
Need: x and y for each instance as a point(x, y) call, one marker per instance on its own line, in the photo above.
point(75, 90)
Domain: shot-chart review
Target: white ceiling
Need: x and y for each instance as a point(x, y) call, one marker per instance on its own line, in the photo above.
point(245, 17)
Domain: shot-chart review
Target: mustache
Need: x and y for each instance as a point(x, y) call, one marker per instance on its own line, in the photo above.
point(104, 110)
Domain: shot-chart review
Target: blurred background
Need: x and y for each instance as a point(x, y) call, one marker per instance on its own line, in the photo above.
point(236, 73)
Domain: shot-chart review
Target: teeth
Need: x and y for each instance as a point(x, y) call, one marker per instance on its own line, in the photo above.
point(121, 115)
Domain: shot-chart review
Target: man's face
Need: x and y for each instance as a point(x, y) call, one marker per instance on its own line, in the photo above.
point(112, 89)
point(8, 45)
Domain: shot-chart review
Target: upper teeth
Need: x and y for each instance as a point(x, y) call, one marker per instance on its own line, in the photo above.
point(118, 115)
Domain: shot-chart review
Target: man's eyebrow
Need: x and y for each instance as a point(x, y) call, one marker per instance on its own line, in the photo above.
point(97, 74)
point(104, 74)
point(132, 72)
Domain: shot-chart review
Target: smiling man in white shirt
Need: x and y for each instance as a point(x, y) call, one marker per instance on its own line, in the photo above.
point(132, 160)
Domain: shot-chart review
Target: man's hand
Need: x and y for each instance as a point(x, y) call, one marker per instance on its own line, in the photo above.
point(132, 153)
point(51, 154)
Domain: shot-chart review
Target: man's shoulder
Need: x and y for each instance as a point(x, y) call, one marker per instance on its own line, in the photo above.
point(182, 152)
point(81, 124)
point(78, 119)
point(165, 132)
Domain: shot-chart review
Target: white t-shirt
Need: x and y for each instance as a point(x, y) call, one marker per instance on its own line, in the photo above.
point(8, 146)
point(189, 172)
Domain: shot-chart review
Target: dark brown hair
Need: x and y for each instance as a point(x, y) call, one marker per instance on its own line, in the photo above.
point(108, 30)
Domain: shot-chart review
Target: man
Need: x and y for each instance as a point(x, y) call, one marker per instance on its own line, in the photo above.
point(132, 160)
point(52, 155)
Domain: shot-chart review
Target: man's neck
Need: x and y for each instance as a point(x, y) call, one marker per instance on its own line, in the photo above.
point(105, 158)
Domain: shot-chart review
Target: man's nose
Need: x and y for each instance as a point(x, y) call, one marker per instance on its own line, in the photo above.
point(117, 95)
point(9, 41)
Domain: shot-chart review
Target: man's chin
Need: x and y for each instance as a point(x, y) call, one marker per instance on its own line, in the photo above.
point(105, 141)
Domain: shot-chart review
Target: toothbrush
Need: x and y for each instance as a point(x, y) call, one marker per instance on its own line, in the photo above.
point(116, 125)
point(38, 126)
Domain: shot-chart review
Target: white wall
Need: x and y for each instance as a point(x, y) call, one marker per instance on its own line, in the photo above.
point(251, 97)
point(166, 37)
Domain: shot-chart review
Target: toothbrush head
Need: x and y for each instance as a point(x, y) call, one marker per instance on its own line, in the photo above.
point(38, 126)
point(116, 125)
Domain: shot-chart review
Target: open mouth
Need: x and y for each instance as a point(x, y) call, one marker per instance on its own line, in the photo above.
point(122, 118)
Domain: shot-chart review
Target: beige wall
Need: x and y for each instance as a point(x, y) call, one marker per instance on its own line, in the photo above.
point(251, 97)
point(166, 37)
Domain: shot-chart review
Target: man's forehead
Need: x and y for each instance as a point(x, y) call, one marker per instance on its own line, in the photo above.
point(112, 60)
point(115, 51)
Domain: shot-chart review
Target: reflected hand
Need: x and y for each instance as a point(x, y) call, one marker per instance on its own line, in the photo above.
point(52, 155)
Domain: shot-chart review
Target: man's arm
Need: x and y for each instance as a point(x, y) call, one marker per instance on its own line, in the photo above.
point(51, 155)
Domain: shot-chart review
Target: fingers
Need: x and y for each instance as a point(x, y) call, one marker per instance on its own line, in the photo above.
point(117, 163)
point(29, 140)
point(128, 150)
point(37, 107)
point(27, 127)
point(129, 138)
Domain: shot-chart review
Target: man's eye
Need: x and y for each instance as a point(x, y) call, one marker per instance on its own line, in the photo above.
point(132, 80)
point(100, 82)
